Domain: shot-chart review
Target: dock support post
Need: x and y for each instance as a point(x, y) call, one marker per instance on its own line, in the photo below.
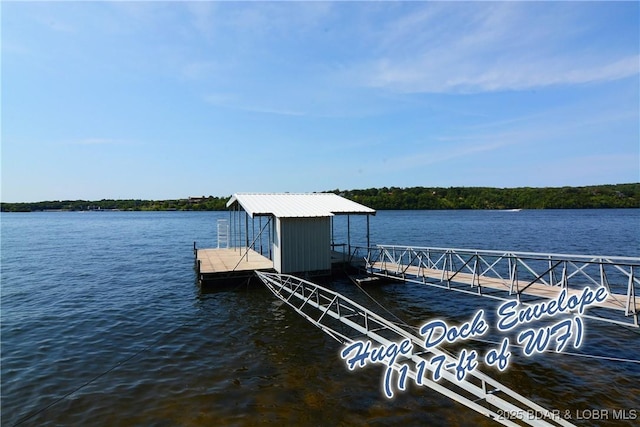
point(368, 240)
point(246, 232)
point(270, 237)
point(198, 275)
point(239, 225)
point(260, 228)
point(332, 237)
point(349, 234)
point(630, 306)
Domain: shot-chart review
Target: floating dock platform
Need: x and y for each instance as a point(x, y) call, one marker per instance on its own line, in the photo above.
point(227, 264)
point(215, 265)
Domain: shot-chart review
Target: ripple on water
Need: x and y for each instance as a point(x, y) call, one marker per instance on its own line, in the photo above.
point(111, 298)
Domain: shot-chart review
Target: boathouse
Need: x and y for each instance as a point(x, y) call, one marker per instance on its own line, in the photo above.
point(291, 233)
point(298, 227)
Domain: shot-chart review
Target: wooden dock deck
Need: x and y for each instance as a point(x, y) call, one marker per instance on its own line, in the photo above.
point(418, 274)
point(226, 264)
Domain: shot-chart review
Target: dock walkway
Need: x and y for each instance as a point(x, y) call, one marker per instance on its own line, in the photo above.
point(529, 277)
point(476, 284)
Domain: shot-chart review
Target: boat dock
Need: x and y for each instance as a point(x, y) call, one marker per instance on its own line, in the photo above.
point(218, 264)
point(283, 239)
point(281, 232)
point(229, 263)
point(293, 233)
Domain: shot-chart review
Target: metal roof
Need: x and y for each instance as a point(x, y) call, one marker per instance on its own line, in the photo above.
point(297, 205)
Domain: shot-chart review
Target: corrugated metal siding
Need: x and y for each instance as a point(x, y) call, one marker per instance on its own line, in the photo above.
point(302, 244)
point(297, 205)
point(277, 246)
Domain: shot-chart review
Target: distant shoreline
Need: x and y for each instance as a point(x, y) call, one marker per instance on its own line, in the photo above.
point(612, 196)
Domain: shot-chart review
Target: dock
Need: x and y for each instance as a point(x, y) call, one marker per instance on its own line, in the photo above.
point(284, 232)
point(229, 264)
point(478, 285)
point(283, 239)
point(294, 234)
point(218, 264)
point(527, 277)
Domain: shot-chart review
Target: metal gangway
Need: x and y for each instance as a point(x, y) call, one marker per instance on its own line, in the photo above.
point(347, 322)
point(526, 276)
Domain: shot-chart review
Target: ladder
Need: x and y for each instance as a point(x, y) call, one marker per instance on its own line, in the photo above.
point(223, 233)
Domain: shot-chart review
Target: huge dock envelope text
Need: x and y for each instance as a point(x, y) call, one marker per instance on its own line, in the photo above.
point(566, 330)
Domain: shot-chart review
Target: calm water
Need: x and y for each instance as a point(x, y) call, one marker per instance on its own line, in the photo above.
point(110, 299)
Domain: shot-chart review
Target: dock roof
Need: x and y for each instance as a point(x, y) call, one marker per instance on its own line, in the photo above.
point(298, 205)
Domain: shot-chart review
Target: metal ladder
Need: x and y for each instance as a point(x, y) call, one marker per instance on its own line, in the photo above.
point(223, 233)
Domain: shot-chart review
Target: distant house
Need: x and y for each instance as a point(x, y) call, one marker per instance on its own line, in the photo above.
point(298, 225)
point(196, 199)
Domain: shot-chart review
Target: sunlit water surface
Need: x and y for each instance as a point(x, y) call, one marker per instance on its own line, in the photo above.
point(103, 324)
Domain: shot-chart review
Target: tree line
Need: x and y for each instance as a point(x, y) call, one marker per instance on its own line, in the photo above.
point(590, 197)
point(388, 198)
point(200, 204)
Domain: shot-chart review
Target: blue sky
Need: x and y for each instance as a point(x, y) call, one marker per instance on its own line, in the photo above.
point(162, 100)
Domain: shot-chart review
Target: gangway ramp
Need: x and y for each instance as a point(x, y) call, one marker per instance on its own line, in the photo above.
point(526, 276)
point(347, 321)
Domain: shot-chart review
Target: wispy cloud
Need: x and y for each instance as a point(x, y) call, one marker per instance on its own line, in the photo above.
point(488, 47)
point(279, 112)
point(234, 102)
point(200, 69)
point(555, 131)
point(203, 18)
point(99, 141)
point(453, 148)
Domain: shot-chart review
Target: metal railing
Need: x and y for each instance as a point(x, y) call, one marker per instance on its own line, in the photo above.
point(505, 275)
point(347, 321)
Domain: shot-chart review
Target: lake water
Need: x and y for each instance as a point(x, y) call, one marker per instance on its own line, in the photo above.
point(103, 324)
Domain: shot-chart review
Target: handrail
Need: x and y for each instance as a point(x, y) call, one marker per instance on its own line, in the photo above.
point(331, 311)
point(252, 245)
point(533, 255)
point(490, 268)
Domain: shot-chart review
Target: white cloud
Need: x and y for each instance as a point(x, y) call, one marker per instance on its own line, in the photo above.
point(200, 69)
point(203, 17)
point(234, 102)
point(617, 69)
point(452, 148)
point(451, 48)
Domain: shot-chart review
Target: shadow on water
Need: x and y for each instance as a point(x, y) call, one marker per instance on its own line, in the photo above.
point(290, 372)
point(300, 374)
